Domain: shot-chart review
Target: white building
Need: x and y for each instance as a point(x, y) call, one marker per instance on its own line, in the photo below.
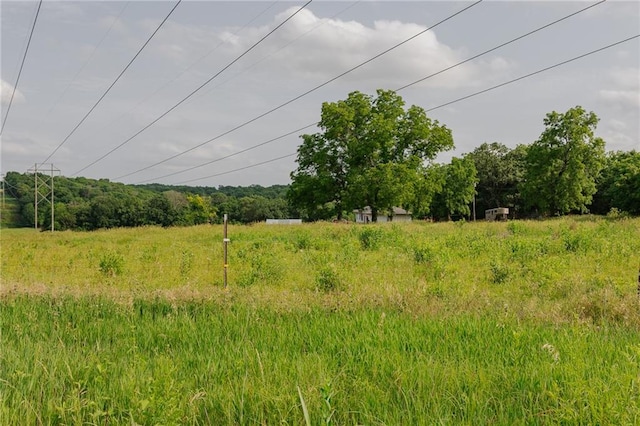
point(399, 215)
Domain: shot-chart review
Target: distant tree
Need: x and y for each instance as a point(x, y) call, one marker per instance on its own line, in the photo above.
point(500, 171)
point(619, 183)
point(158, 211)
point(427, 185)
point(369, 152)
point(199, 210)
point(563, 164)
point(458, 189)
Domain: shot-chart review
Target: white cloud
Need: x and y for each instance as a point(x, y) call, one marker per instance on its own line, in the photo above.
point(6, 90)
point(621, 98)
point(625, 92)
point(331, 46)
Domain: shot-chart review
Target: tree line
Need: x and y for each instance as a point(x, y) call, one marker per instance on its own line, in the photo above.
point(372, 151)
point(89, 204)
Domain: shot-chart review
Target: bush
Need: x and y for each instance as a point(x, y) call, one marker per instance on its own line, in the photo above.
point(111, 264)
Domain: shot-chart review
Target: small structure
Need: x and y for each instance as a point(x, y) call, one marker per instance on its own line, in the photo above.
point(499, 213)
point(399, 215)
point(284, 221)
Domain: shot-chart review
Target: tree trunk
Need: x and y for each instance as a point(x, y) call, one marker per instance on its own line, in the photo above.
point(374, 214)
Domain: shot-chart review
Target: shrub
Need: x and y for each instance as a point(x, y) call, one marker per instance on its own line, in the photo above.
point(327, 279)
point(111, 264)
point(370, 237)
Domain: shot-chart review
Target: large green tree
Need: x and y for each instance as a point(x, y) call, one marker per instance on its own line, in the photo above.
point(563, 164)
point(500, 172)
point(369, 152)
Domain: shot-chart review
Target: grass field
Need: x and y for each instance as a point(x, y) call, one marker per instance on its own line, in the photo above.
point(452, 323)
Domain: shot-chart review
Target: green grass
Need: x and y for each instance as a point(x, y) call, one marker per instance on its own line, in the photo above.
point(10, 213)
point(502, 323)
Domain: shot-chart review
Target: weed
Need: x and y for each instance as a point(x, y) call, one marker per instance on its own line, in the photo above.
point(370, 237)
point(111, 264)
point(327, 279)
point(499, 272)
point(186, 261)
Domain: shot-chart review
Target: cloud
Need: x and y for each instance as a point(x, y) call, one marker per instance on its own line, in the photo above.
point(625, 92)
point(6, 90)
point(621, 98)
point(322, 48)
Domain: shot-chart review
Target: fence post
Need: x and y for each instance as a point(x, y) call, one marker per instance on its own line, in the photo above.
point(225, 241)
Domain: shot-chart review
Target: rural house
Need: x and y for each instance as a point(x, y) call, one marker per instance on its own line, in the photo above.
point(399, 215)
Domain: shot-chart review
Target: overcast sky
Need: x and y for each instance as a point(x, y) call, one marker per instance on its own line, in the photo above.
point(79, 48)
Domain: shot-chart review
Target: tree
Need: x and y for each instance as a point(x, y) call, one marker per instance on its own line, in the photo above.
point(500, 171)
point(619, 183)
point(458, 188)
point(563, 164)
point(369, 152)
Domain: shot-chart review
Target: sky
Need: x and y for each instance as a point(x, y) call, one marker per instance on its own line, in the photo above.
point(78, 49)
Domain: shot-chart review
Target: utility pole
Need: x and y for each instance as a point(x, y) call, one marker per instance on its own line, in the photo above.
point(474, 202)
point(43, 191)
point(225, 241)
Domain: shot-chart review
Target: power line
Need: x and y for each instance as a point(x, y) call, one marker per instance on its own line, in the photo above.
point(190, 66)
point(240, 169)
point(447, 103)
point(194, 91)
point(114, 82)
point(397, 90)
point(24, 57)
point(299, 96)
point(532, 74)
point(323, 22)
point(233, 154)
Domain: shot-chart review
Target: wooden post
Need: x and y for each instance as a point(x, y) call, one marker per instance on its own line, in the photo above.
point(225, 241)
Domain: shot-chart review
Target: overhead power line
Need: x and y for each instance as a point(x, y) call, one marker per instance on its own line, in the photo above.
point(301, 95)
point(114, 82)
point(531, 74)
point(124, 114)
point(397, 90)
point(194, 91)
point(24, 57)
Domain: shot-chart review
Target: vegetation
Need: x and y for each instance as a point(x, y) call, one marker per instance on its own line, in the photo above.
point(563, 164)
point(89, 204)
point(369, 153)
point(472, 323)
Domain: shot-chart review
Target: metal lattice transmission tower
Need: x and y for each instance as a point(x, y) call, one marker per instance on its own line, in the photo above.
point(43, 189)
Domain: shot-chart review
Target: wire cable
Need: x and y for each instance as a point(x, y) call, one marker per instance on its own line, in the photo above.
point(444, 104)
point(299, 96)
point(24, 57)
point(189, 67)
point(114, 82)
point(397, 90)
point(194, 91)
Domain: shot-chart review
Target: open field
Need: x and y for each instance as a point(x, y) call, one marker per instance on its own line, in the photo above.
point(465, 323)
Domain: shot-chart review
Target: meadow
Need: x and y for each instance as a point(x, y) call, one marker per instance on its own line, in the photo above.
point(523, 322)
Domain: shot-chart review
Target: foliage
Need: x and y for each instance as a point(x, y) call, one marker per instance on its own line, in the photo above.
point(369, 152)
point(500, 171)
point(88, 204)
point(457, 191)
point(563, 164)
point(619, 185)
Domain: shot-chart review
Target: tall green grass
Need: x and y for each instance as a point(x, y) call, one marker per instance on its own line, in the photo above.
point(466, 323)
point(73, 361)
